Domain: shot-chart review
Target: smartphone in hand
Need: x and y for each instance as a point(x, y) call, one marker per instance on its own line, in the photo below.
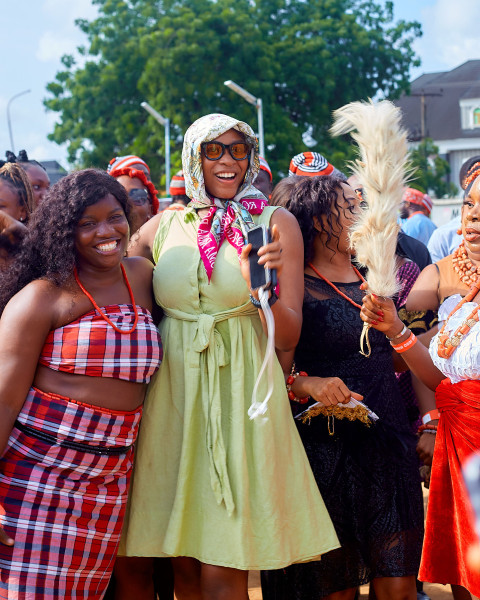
point(260, 276)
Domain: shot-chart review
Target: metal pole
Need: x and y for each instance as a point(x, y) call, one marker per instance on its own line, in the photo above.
point(8, 116)
point(260, 127)
point(257, 102)
point(166, 123)
point(167, 154)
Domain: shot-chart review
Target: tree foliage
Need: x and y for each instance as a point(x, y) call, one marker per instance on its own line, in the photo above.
point(431, 171)
point(303, 58)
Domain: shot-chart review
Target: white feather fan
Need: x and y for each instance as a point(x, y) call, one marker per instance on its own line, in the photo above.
point(382, 170)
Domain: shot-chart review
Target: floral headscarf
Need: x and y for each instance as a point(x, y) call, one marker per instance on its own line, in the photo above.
point(229, 219)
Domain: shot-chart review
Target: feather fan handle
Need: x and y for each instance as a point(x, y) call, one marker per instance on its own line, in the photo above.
point(383, 169)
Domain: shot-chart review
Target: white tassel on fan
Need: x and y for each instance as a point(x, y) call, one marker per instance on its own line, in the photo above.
point(382, 169)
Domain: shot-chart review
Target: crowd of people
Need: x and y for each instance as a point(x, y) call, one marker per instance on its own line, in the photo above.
point(144, 454)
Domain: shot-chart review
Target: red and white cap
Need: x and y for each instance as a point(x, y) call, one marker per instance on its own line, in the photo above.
point(417, 197)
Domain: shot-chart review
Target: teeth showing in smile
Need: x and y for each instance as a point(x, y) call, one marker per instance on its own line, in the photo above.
point(226, 175)
point(107, 247)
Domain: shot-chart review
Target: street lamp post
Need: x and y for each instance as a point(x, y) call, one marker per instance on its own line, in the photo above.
point(257, 102)
point(166, 123)
point(8, 116)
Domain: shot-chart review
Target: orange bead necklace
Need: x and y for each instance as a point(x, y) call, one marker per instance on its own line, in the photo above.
point(335, 287)
point(463, 266)
point(447, 344)
point(103, 315)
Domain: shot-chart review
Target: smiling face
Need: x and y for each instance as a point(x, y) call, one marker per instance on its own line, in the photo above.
point(10, 202)
point(471, 221)
point(101, 234)
point(223, 177)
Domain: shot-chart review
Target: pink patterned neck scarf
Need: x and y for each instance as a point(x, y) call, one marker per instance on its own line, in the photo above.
point(226, 220)
point(230, 222)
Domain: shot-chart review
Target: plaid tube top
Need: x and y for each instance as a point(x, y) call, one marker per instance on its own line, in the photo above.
point(90, 346)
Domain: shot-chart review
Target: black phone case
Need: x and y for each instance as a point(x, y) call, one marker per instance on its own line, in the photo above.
point(259, 275)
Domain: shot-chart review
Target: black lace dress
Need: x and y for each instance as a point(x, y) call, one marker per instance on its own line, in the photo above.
point(368, 476)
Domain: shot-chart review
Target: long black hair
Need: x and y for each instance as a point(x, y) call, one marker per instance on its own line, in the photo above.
point(317, 197)
point(48, 248)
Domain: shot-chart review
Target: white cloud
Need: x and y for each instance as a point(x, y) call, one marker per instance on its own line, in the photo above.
point(450, 33)
point(63, 36)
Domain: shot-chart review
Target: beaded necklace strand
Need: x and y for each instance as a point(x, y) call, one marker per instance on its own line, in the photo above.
point(335, 287)
point(447, 344)
point(103, 315)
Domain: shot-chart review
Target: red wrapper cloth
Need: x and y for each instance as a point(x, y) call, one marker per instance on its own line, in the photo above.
point(449, 529)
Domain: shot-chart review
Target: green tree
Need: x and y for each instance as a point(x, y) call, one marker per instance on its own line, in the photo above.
point(303, 58)
point(431, 171)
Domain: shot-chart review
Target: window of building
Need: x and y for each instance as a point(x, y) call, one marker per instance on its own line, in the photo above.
point(476, 117)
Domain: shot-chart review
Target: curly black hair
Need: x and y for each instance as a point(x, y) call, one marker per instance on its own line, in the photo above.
point(317, 197)
point(48, 248)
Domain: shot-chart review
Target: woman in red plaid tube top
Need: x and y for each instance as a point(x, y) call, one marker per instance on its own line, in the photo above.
point(77, 347)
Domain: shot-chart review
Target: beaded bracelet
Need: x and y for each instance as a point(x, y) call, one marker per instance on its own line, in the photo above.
point(429, 427)
point(434, 431)
point(405, 345)
point(399, 335)
point(290, 379)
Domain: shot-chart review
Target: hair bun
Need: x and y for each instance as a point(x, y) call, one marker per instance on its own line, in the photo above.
point(10, 156)
point(22, 156)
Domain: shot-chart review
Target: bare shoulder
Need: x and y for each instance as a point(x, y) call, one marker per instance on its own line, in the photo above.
point(140, 275)
point(424, 293)
point(284, 219)
point(139, 270)
point(141, 243)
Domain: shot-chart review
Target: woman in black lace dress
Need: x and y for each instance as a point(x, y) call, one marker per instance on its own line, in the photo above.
point(368, 476)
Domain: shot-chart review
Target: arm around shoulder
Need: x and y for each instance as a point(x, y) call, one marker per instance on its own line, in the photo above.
point(141, 243)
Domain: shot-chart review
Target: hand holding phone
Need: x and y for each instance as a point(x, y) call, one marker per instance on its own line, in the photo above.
point(260, 275)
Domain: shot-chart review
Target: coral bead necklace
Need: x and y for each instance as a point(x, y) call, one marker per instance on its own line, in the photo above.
point(335, 287)
point(464, 267)
point(447, 344)
point(103, 315)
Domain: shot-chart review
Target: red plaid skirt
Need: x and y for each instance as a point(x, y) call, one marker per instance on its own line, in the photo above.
point(64, 480)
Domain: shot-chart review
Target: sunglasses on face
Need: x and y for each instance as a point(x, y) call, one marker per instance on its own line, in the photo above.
point(138, 196)
point(215, 150)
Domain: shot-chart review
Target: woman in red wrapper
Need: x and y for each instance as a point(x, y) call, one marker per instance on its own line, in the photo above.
point(451, 366)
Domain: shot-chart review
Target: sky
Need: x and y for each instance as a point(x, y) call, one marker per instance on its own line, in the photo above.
point(34, 34)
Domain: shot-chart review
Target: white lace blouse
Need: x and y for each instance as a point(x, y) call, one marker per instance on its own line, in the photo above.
point(464, 363)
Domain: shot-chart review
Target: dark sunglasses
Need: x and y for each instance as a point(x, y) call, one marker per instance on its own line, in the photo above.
point(138, 196)
point(215, 150)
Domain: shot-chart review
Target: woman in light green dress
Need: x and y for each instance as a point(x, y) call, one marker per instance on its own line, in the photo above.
point(216, 490)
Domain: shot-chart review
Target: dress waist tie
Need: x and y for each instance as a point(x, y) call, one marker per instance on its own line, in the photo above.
point(208, 343)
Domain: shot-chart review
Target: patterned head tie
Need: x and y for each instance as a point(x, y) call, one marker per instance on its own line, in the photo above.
point(177, 185)
point(417, 197)
point(123, 162)
point(310, 164)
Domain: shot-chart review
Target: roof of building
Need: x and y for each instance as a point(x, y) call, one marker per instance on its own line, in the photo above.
point(54, 169)
point(442, 93)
